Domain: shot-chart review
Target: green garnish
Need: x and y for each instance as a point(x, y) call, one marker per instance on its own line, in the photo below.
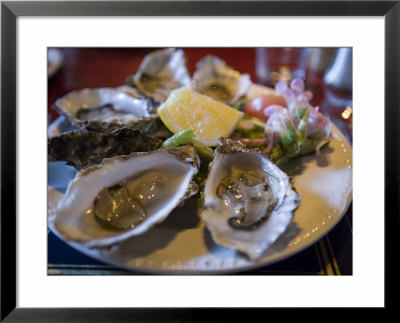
point(181, 138)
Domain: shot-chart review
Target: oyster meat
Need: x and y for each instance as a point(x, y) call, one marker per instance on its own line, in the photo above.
point(160, 72)
point(248, 201)
point(107, 109)
point(125, 195)
point(80, 148)
point(216, 79)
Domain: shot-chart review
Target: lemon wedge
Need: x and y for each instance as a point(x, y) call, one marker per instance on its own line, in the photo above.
point(210, 119)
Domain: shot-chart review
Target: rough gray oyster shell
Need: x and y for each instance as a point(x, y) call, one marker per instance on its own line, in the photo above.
point(80, 148)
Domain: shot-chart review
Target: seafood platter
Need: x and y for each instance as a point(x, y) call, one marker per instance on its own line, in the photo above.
point(172, 173)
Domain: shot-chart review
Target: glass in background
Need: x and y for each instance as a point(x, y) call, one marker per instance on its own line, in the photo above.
point(281, 63)
point(340, 73)
point(338, 87)
point(320, 59)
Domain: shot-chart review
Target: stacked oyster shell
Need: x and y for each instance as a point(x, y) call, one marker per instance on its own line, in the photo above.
point(161, 72)
point(216, 79)
point(127, 183)
point(106, 109)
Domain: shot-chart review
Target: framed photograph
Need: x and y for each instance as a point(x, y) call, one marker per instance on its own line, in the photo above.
point(344, 73)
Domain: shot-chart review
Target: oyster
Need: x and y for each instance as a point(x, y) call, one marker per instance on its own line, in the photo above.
point(160, 72)
point(80, 148)
point(216, 79)
point(125, 195)
point(107, 109)
point(248, 201)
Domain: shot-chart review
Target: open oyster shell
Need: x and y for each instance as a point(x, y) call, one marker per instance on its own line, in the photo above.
point(107, 109)
point(80, 148)
point(216, 79)
point(125, 195)
point(248, 201)
point(160, 72)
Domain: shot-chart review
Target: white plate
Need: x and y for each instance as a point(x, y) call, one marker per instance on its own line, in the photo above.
point(183, 245)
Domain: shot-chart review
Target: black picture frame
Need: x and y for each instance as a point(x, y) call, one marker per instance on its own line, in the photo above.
point(10, 10)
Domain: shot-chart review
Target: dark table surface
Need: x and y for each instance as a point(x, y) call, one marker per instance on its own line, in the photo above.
point(109, 67)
